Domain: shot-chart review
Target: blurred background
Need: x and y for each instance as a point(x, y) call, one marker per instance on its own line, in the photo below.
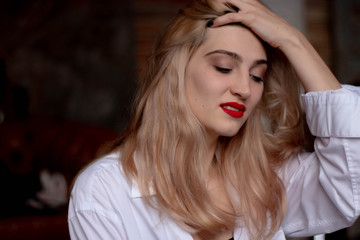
point(68, 71)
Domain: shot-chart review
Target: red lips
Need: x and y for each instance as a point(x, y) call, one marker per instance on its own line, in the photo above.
point(234, 109)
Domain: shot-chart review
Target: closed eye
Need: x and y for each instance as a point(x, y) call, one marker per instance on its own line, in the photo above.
point(256, 78)
point(223, 70)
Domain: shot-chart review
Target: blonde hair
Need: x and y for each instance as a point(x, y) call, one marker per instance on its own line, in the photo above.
point(164, 145)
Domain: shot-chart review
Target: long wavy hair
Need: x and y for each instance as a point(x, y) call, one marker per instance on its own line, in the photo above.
point(164, 145)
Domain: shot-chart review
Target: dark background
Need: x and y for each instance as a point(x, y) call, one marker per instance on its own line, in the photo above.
point(69, 59)
point(78, 61)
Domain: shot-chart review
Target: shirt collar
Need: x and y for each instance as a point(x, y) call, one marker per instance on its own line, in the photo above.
point(135, 191)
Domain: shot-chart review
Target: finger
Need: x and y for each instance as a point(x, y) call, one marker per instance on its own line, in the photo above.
point(248, 5)
point(242, 4)
point(228, 18)
point(238, 6)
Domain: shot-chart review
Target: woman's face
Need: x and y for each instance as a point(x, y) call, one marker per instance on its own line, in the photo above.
point(223, 80)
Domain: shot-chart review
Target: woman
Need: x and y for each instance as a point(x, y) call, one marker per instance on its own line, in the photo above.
point(213, 150)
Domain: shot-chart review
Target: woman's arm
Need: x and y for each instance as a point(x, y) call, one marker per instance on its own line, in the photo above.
point(323, 187)
point(310, 68)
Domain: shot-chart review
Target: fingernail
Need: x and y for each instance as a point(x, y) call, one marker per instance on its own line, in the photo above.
point(226, 12)
point(210, 23)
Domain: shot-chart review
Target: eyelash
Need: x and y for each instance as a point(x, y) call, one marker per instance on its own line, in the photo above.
point(223, 70)
point(228, 70)
point(256, 78)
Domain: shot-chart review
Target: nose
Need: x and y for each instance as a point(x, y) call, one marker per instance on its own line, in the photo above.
point(241, 86)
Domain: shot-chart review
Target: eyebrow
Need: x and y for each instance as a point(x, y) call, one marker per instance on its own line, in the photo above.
point(237, 57)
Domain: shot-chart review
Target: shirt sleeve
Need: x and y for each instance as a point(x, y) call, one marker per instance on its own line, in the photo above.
point(323, 187)
point(94, 211)
point(86, 224)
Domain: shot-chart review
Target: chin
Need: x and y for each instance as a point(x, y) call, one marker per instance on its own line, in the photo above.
point(229, 132)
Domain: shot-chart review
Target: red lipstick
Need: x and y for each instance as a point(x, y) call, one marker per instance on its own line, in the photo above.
point(234, 109)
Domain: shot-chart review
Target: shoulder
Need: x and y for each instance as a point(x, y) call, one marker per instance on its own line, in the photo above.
point(101, 186)
point(107, 166)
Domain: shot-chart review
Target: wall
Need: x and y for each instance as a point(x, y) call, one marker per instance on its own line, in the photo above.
point(73, 58)
point(345, 22)
point(79, 59)
point(152, 17)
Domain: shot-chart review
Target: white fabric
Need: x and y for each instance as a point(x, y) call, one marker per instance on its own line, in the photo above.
point(323, 187)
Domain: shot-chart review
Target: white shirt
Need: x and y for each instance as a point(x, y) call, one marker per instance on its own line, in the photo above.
point(323, 187)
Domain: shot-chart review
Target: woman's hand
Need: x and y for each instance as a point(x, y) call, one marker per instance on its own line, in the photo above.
point(310, 68)
point(268, 26)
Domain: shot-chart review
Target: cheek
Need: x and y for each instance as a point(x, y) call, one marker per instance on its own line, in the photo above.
point(259, 94)
point(256, 97)
point(199, 87)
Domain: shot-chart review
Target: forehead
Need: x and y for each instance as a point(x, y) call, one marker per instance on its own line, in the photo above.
point(234, 38)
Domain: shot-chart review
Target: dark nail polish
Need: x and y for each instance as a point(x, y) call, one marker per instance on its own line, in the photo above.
point(210, 23)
